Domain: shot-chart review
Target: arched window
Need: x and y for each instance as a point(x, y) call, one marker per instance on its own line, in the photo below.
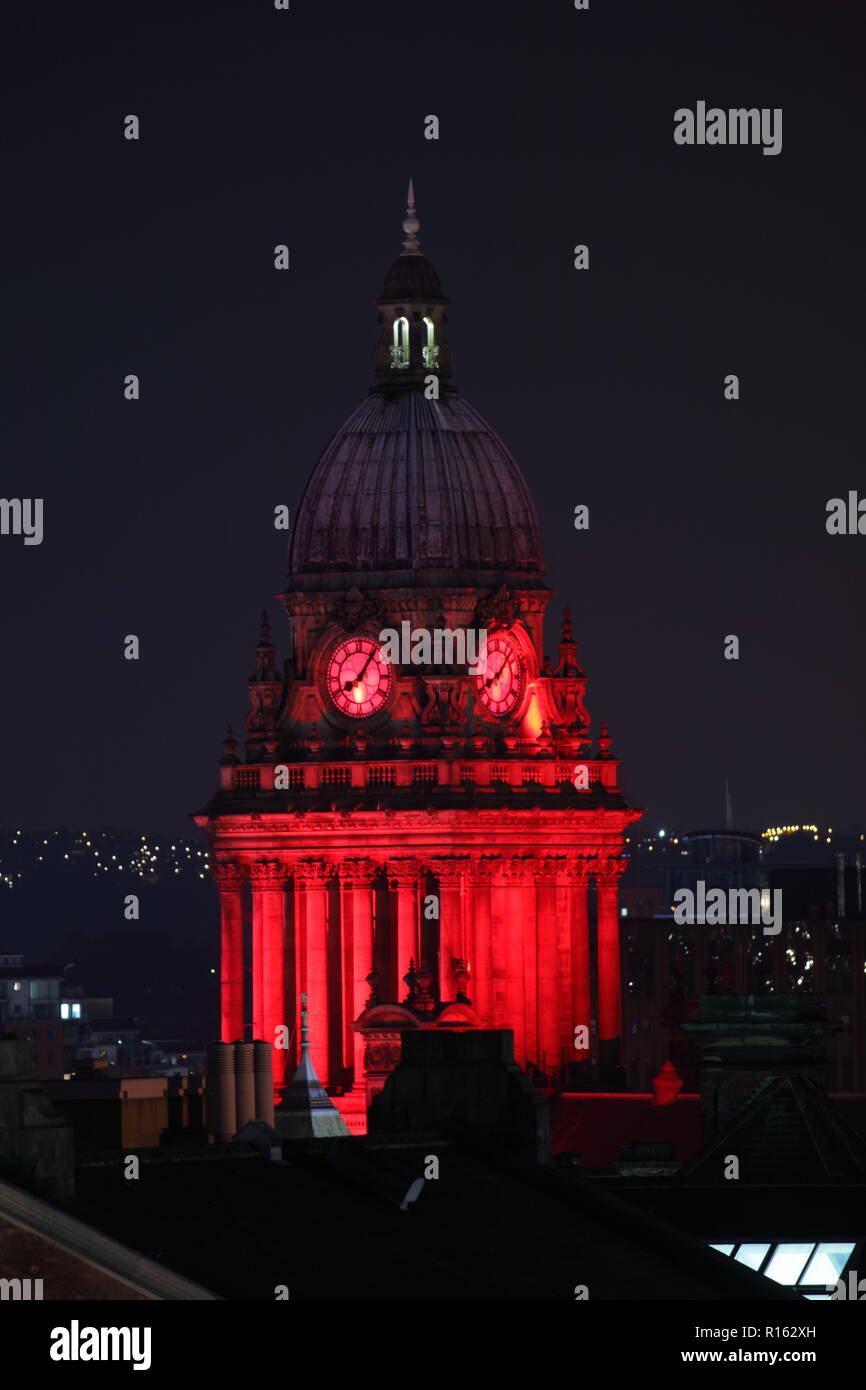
point(400, 345)
point(430, 350)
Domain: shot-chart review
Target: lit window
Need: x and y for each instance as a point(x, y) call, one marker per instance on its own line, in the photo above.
point(76, 1010)
point(430, 352)
point(723, 1249)
point(400, 345)
point(64, 1010)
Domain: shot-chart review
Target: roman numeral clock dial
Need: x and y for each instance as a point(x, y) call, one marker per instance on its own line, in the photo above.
point(358, 680)
point(499, 683)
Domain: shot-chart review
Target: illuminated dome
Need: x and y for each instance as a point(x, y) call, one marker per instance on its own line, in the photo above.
point(415, 490)
point(416, 485)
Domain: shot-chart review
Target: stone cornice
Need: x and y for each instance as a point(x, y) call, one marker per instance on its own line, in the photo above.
point(595, 819)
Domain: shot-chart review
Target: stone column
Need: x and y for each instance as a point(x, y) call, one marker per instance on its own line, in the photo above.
point(513, 926)
point(499, 889)
point(229, 879)
point(609, 972)
point(358, 876)
point(269, 936)
point(257, 962)
point(478, 882)
point(311, 879)
point(403, 879)
point(576, 925)
point(548, 874)
point(529, 932)
point(449, 872)
point(347, 994)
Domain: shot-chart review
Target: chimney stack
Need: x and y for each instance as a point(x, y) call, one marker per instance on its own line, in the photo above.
point(263, 1079)
point(221, 1103)
point(245, 1098)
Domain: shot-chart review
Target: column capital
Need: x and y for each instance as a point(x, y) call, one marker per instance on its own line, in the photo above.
point(608, 869)
point(483, 868)
point(227, 873)
point(404, 873)
point(551, 870)
point(358, 873)
point(519, 869)
point(579, 869)
point(267, 876)
point(312, 873)
point(449, 869)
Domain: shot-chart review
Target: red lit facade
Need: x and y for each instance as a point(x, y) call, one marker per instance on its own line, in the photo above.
point(403, 839)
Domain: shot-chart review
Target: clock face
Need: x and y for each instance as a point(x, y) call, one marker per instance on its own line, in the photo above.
point(358, 679)
point(501, 675)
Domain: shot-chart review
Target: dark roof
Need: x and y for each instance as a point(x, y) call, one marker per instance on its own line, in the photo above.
point(328, 1223)
point(791, 1131)
point(412, 277)
point(414, 485)
point(31, 972)
point(64, 1273)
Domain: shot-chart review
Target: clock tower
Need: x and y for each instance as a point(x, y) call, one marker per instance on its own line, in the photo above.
point(423, 832)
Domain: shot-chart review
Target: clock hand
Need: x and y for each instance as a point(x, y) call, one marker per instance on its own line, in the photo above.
point(496, 675)
point(348, 684)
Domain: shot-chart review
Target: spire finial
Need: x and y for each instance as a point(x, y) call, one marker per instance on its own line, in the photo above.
point(411, 225)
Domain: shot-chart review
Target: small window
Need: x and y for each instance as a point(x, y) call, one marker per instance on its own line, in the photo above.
point(400, 345)
point(430, 351)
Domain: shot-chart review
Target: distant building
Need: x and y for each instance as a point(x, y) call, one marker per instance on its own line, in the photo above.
point(820, 950)
point(37, 1002)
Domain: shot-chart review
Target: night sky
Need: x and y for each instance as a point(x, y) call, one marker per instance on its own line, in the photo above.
point(260, 127)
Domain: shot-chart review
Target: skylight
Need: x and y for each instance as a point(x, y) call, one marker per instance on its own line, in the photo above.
point(807, 1266)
